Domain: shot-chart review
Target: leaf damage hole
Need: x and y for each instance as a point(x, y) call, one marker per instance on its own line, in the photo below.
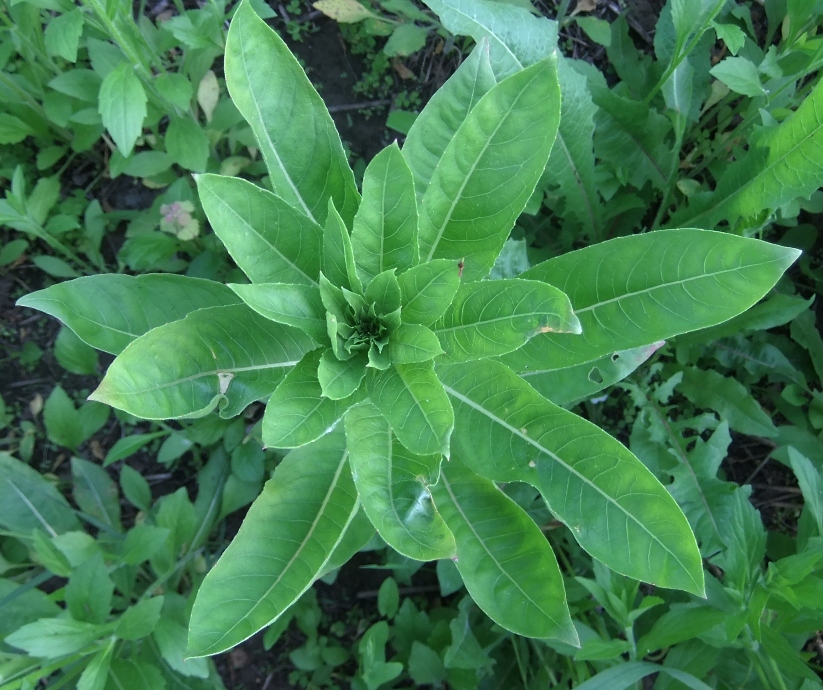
point(595, 376)
point(224, 378)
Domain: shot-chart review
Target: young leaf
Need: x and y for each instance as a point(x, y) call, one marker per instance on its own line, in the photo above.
point(340, 379)
point(270, 241)
point(413, 401)
point(494, 317)
point(218, 356)
point(435, 127)
point(700, 278)
point(187, 143)
point(307, 163)
point(122, 105)
point(31, 502)
point(393, 487)
point(615, 508)
point(489, 170)
point(411, 343)
point(428, 290)
point(504, 559)
point(384, 234)
point(96, 493)
point(297, 412)
point(516, 37)
point(740, 75)
point(783, 163)
point(109, 311)
point(285, 541)
point(294, 305)
point(135, 488)
point(89, 591)
point(729, 398)
point(338, 255)
point(62, 34)
point(384, 292)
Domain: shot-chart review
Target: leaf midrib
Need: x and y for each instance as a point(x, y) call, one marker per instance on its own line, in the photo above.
point(644, 291)
point(447, 486)
point(31, 506)
point(269, 141)
point(560, 461)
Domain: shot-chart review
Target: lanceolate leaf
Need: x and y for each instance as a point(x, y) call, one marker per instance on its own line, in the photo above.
point(109, 311)
point(614, 506)
point(444, 113)
point(294, 130)
point(427, 290)
point(504, 559)
point(384, 235)
point(338, 255)
point(571, 164)
point(393, 487)
point(270, 241)
point(122, 106)
point(289, 534)
point(294, 305)
point(489, 170)
point(494, 317)
point(31, 502)
point(219, 356)
point(340, 379)
point(728, 397)
point(636, 290)
point(569, 385)
point(516, 37)
point(413, 401)
point(784, 163)
point(297, 412)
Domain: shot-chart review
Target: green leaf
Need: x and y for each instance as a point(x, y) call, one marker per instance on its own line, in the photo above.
point(135, 488)
point(384, 235)
point(627, 674)
point(680, 623)
point(187, 143)
point(569, 385)
point(73, 354)
point(494, 317)
point(732, 35)
point(740, 75)
point(82, 84)
point(12, 129)
point(307, 163)
point(142, 542)
point(286, 539)
point(435, 127)
point(806, 333)
point(129, 445)
point(340, 379)
point(338, 255)
point(393, 487)
point(425, 665)
point(294, 305)
point(516, 37)
point(50, 638)
point(504, 559)
point(269, 240)
point(62, 34)
point(415, 404)
point(489, 170)
point(571, 164)
point(22, 605)
point(110, 311)
point(405, 40)
point(122, 105)
point(31, 502)
point(96, 493)
point(384, 292)
point(139, 621)
point(428, 290)
point(412, 343)
point(783, 163)
point(615, 508)
point(359, 532)
point(89, 591)
point(170, 637)
point(700, 278)
point(67, 426)
point(297, 412)
point(808, 478)
point(218, 357)
point(729, 398)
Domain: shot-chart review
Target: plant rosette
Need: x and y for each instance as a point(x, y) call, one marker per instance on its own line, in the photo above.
point(406, 383)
